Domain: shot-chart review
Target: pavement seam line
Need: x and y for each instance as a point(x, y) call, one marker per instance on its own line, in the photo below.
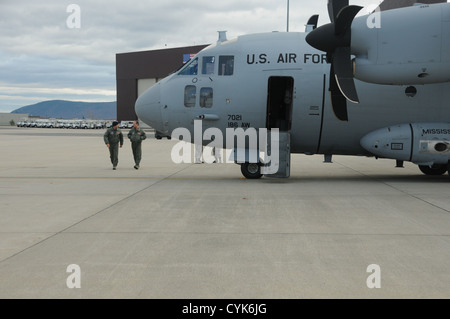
point(88, 217)
point(397, 189)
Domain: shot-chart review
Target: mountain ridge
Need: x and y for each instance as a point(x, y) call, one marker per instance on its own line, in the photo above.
point(63, 109)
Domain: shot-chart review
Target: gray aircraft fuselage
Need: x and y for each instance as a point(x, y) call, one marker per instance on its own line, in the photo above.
point(268, 64)
point(240, 100)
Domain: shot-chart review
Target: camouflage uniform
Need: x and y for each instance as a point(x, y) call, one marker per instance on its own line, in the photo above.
point(113, 137)
point(136, 137)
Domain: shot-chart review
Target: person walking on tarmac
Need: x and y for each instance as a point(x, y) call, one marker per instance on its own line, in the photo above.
point(112, 138)
point(136, 136)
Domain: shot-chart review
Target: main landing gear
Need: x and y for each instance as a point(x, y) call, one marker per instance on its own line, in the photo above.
point(435, 170)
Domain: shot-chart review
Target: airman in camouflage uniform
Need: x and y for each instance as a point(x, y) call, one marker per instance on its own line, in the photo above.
point(112, 138)
point(136, 136)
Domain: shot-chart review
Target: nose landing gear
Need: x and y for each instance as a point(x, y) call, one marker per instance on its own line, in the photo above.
point(251, 170)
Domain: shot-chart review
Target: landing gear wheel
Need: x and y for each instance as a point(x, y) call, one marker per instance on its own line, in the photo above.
point(251, 170)
point(435, 170)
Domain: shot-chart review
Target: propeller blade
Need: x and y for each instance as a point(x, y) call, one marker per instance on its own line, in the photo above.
point(334, 7)
point(313, 21)
point(335, 39)
point(343, 68)
point(338, 101)
point(344, 20)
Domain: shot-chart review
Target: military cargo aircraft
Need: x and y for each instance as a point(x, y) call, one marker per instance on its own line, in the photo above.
point(372, 85)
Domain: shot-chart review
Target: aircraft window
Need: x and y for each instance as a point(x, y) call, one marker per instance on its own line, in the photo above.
point(226, 65)
point(411, 91)
point(191, 68)
point(206, 97)
point(190, 95)
point(208, 65)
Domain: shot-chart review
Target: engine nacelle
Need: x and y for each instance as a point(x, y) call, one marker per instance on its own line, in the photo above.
point(420, 143)
point(406, 46)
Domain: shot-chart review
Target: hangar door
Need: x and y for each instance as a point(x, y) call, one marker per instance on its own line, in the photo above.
point(144, 84)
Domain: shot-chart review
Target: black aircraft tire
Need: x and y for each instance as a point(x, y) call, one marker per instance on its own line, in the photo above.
point(251, 170)
point(435, 170)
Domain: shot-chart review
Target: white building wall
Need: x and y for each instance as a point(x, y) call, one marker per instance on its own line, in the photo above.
point(5, 118)
point(142, 86)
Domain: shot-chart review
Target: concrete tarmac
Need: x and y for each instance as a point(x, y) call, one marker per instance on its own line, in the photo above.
point(195, 231)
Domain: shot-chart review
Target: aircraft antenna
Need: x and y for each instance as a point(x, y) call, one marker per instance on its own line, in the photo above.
point(287, 18)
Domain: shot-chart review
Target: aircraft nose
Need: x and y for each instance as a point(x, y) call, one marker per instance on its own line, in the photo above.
point(148, 107)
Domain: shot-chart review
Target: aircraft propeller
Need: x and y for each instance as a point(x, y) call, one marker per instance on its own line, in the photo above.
point(313, 21)
point(335, 39)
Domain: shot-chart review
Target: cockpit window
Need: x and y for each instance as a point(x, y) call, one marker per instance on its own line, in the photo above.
point(191, 68)
point(206, 97)
point(190, 95)
point(208, 65)
point(226, 65)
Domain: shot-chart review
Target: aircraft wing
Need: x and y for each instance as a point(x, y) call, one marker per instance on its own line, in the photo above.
point(395, 4)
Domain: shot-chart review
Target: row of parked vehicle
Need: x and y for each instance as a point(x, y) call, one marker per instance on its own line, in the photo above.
point(80, 124)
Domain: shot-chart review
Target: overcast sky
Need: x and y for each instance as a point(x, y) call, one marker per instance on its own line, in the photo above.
point(43, 58)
